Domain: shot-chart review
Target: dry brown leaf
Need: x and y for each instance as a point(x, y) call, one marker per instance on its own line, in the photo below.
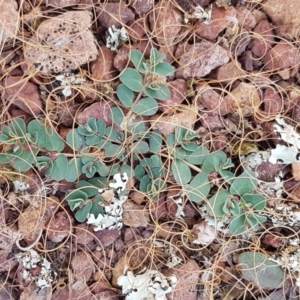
point(186, 117)
point(32, 221)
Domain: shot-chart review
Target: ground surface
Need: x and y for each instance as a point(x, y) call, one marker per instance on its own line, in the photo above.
point(141, 210)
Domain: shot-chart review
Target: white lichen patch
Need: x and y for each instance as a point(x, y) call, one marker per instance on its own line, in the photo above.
point(116, 37)
point(20, 186)
point(147, 284)
point(170, 252)
point(31, 260)
point(289, 259)
point(67, 80)
point(252, 160)
point(284, 154)
point(287, 132)
point(283, 214)
point(199, 13)
point(113, 210)
point(112, 217)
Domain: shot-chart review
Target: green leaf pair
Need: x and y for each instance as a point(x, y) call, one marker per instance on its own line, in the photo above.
point(142, 80)
point(85, 199)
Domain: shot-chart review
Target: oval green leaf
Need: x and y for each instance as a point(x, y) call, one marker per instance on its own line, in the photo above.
point(132, 79)
point(145, 107)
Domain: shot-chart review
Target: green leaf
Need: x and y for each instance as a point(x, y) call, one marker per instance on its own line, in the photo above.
point(18, 129)
point(179, 134)
point(25, 160)
point(125, 95)
point(263, 272)
point(219, 160)
point(54, 141)
point(73, 170)
point(88, 187)
point(74, 139)
point(145, 107)
point(89, 128)
point(159, 91)
point(243, 184)
point(136, 56)
point(171, 139)
point(252, 221)
point(209, 162)
point(93, 140)
point(198, 156)
point(257, 202)
point(144, 183)
point(199, 188)
point(216, 203)
point(101, 128)
point(3, 138)
point(60, 168)
point(111, 133)
point(140, 147)
point(38, 133)
point(227, 176)
point(155, 57)
point(116, 115)
point(155, 141)
point(190, 146)
point(112, 150)
point(132, 79)
point(181, 171)
point(163, 69)
point(74, 203)
point(82, 213)
point(139, 172)
point(10, 155)
point(96, 209)
point(237, 225)
point(75, 198)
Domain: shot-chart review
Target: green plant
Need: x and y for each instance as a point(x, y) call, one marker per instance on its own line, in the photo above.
point(85, 198)
point(145, 80)
point(238, 203)
point(257, 268)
